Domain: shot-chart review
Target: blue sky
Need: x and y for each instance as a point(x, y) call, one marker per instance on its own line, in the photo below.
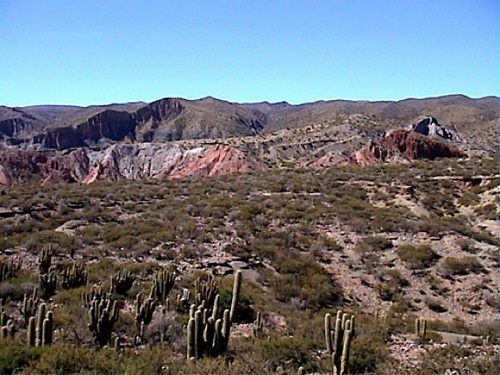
point(86, 52)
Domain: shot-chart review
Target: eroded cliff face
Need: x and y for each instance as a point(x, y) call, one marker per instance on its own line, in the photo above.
point(400, 146)
point(123, 161)
point(112, 125)
point(404, 145)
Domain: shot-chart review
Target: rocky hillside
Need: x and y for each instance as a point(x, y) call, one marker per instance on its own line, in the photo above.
point(63, 127)
point(319, 148)
point(389, 243)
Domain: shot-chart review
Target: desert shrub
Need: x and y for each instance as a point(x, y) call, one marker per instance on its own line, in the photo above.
point(7, 243)
point(453, 266)
point(391, 285)
point(377, 243)
point(287, 353)
point(368, 347)
point(244, 312)
point(435, 305)
point(488, 211)
point(303, 279)
point(467, 245)
point(417, 257)
point(58, 240)
point(15, 356)
point(66, 359)
point(164, 326)
point(459, 358)
point(15, 289)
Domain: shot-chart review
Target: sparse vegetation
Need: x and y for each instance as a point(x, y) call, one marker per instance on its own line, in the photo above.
point(417, 257)
point(301, 238)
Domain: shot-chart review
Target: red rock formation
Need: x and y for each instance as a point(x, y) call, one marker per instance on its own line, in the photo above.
point(398, 146)
point(214, 161)
point(403, 144)
point(122, 161)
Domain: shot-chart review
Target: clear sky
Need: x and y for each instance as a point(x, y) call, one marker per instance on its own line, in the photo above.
point(86, 52)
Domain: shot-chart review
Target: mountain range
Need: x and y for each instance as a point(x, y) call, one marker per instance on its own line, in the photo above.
point(235, 136)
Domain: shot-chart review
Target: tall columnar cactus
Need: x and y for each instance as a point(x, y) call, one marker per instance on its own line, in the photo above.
point(7, 330)
point(121, 282)
point(103, 315)
point(258, 325)
point(47, 284)
point(236, 294)
point(6, 324)
point(162, 285)
point(182, 300)
point(40, 327)
point(420, 328)
point(205, 291)
point(74, 276)
point(208, 334)
point(144, 311)
point(338, 341)
point(45, 260)
point(96, 294)
point(9, 269)
point(3, 315)
point(30, 305)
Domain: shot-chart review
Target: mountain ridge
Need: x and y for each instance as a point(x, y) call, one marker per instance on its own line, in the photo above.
point(210, 117)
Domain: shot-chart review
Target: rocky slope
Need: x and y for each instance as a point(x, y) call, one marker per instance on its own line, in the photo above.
point(173, 138)
point(63, 127)
point(122, 161)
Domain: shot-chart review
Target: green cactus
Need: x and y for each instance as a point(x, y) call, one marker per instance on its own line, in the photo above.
point(182, 303)
point(258, 325)
point(338, 341)
point(8, 330)
point(103, 315)
point(29, 305)
point(96, 294)
point(121, 282)
point(74, 276)
point(47, 283)
point(6, 324)
point(162, 285)
point(208, 335)
point(3, 314)
point(31, 331)
point(236, 294)
point(205, 291)
point(144, 311)
point(9, 269)
point(45, 260)
point(420, 328)
point(40, 327)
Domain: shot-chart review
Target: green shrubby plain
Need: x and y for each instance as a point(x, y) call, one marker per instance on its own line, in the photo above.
point(130, 259)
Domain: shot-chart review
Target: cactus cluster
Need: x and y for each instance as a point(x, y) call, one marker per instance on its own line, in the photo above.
point(103, 314)
point(29, 306)
point(258, 325)
point(162, 285)
point(44, 260)
point(121, 282)
point(9, 269)
point(40, 327)
point(338, 341)
point(205, 290)
point(420, 328)
point(144, 311)
point(47, 284)
point(7, 328)
point(182, 301)
point(74, 276)
point(208, 335)
point(96, 294)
